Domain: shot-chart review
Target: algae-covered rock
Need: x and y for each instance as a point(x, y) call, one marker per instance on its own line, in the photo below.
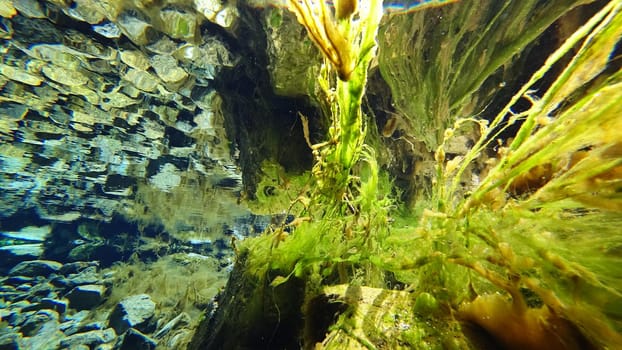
point(293, 59)
point(179, 24)
point(374, 317)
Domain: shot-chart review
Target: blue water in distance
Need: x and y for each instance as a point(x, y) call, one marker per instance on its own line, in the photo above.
point(412, 5)
point(390, 6)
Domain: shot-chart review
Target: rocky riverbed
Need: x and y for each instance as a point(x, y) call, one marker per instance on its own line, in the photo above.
point(50, 305)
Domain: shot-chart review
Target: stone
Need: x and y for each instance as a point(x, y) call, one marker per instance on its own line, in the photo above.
point(90, 338)
point(20, 75)
point(29, 8)
point(78, 316)
point(10, 341)
point(209, 8)
point(93, 326)
point(14, 112)
point(179, 24)
point(81, 347)
point(48, 334)
point(77, 267)
point(41, 290)
point(167, 69)
point(17, 280)
point(136, 27)
point(24, 287)
point(64, 76)
point(227, 17)
point(14, 317)
point(19, 304)
point(34, 268)
point(87, 276)
point(20, 252)
point(72, 322)
point(116, 99)
point(135, 311)
point(86, 10)
point(35, 321)
point(220, 13)
point(86, 297)
point(135, 59)
point(142, 80)
point(106, 346)
point(134, 339)
point(108, 29)
point(81, 45)
point(54, 55)
point(178, 340)
point(167, 178)
point(293, 63)
point(30, 233)
point(57, 305)
point(83, 107)
point(10, 295)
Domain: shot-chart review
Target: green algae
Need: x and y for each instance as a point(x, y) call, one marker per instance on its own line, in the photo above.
point(455, 55)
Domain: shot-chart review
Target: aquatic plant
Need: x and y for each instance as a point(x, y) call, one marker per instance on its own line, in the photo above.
point(458, 57)
point(532, 249)
point(539, 228)
point(349, 46)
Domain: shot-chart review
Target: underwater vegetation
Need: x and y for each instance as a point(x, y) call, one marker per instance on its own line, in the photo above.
point(528, 256)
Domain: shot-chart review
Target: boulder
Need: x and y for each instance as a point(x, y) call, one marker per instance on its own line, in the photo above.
point(135, 311)
point(86, 296)
point(34, 268)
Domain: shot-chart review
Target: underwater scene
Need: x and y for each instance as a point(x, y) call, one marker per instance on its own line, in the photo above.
point(310, 174)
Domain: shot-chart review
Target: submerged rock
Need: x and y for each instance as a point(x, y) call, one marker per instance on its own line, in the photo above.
point(59, 306)
point(167, 69)
point(135, 311)
point(136, 27)
point(10, 341)
point(29, 8)
point(29, 234)
point(90, 338)
point(134, 339)
point(86, 297)
point(221, 13)
point(293, 61)
point(11, 254)
point(34, 268)
point(179, 24)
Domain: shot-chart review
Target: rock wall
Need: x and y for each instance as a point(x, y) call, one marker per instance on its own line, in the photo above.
point(114, 108)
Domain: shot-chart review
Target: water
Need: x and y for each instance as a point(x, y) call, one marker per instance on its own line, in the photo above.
point(142, 145)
